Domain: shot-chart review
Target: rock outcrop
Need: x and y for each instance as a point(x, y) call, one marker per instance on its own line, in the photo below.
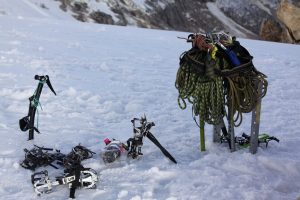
point(273, 30)
point(289, 15)
point(258, 19)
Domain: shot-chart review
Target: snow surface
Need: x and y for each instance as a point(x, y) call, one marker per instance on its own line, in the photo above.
point(34, 9)
point(106, 75)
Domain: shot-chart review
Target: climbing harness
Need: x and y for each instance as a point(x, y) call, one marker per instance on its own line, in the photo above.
point(75, 175)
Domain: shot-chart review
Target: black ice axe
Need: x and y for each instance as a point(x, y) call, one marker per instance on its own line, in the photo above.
point(27, 122)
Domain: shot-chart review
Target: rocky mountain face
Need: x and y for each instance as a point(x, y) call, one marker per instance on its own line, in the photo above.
point(291, 21)
point(273, 20)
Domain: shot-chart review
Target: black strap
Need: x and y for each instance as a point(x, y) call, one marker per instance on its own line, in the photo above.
point(76, 183)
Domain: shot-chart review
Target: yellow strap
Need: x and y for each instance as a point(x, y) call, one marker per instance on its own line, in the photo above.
point(213, 52)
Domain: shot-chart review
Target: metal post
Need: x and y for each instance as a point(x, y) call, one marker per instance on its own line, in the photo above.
point(216, 133)
point(231, 127)
point(255, 123)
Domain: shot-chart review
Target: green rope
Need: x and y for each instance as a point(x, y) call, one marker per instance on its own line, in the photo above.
point(200, 87)
point(197, 83)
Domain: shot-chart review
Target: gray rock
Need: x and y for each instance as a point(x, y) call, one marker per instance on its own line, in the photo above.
point(252, 19)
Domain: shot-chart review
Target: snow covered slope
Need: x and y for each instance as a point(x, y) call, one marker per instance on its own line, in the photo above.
point(242, 18)
point(106, 75)
point(34, 9)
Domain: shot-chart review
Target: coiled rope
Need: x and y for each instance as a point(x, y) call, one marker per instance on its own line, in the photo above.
point(201, 81)
point(243, 93)
point(204, 92)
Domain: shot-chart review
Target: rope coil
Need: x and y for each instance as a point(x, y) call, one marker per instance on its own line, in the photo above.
point(210, 84)
point(204, 92)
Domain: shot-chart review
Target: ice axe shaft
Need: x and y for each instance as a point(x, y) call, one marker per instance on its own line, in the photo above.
point(151, 137)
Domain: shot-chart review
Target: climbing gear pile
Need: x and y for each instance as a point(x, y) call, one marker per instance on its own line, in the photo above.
point(135, 143)
point(141, 128)
point(217, 72)
point(41, 156)
point(218, 78)
point(83, 177)
point(74, 158)
point(75, 175)
point(27, 122)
